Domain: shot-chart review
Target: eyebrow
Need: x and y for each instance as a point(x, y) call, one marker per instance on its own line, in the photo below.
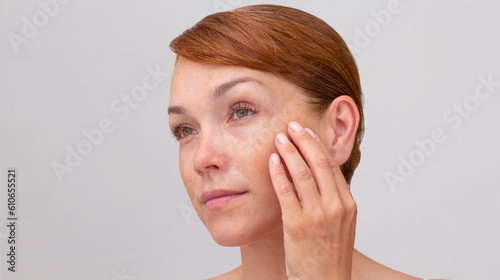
point(216, 94)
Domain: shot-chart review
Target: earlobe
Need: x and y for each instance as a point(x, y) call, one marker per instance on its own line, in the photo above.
point(341, 121)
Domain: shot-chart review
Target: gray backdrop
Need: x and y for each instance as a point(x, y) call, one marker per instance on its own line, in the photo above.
point(99, 193)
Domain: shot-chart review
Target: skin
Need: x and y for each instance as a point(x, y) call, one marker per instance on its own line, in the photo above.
point(303, 230)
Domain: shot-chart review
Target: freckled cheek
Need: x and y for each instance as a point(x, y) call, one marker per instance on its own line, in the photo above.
point(257, 140)
point(255, 144)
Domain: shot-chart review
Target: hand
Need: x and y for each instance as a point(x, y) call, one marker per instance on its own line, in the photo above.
point(319, 225)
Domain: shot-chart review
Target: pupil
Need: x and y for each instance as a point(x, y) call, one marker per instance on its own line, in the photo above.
point(241, 114)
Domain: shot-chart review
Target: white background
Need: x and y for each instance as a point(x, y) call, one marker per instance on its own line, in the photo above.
point(123, 212)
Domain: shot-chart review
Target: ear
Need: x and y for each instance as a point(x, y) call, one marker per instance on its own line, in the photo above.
point(339, 125)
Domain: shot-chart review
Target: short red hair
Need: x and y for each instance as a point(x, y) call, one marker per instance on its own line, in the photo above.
point(287, 42)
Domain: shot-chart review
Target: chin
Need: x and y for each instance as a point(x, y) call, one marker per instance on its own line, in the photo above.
point(229, 240)
point(230, 233)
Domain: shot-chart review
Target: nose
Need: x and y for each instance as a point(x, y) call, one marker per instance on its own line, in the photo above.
point(211, 153)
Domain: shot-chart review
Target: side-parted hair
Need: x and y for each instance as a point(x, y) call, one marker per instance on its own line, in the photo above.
point(287, 42)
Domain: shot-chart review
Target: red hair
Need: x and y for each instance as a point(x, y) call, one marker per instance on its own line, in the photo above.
point(287, 42)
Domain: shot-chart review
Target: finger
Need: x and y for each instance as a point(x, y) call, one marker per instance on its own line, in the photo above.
point(336, 196)
point(340, 182)
point(319, 162)
point(350, 207)
point(290, 206)
point(343, 194)
point(299, 171)
point(343, 188)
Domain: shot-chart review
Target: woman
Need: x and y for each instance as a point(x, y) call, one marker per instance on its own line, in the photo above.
point(266, 104)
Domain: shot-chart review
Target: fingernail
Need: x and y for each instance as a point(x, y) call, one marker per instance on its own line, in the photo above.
point(311, 132)
point(275, 158)
point(296, 127)
point(282, 139)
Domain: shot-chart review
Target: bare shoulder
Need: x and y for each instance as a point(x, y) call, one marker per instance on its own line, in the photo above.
point(364, 268)
point(231, 275)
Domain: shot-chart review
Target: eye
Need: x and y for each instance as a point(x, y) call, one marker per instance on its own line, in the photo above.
point(240, 110)
point(182, 131)
point(237, 111)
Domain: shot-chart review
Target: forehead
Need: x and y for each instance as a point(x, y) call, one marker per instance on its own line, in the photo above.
point(191, 77)
point(194, 84)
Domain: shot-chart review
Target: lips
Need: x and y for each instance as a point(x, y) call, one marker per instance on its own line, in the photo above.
point(206, 196)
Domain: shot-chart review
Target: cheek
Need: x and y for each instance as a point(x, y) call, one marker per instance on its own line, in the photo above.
point(257, 141)
point(253, 147)
point(263, 132)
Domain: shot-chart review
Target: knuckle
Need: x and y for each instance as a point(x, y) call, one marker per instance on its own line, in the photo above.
point(304, 174)
point(323, 161)
point(353, 208)
point(305, 136)
point(289, 149)
point(285, 189)
point(338, 211)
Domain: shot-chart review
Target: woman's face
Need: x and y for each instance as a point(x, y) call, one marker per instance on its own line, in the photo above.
point(228, 122)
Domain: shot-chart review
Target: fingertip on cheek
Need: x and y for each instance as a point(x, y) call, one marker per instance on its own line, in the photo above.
point(282, 138)
point(275, 158)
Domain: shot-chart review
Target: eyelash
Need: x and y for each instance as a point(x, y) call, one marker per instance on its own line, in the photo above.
point(176, 133)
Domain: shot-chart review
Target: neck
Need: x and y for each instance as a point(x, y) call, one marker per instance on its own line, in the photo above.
point(264, 259)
